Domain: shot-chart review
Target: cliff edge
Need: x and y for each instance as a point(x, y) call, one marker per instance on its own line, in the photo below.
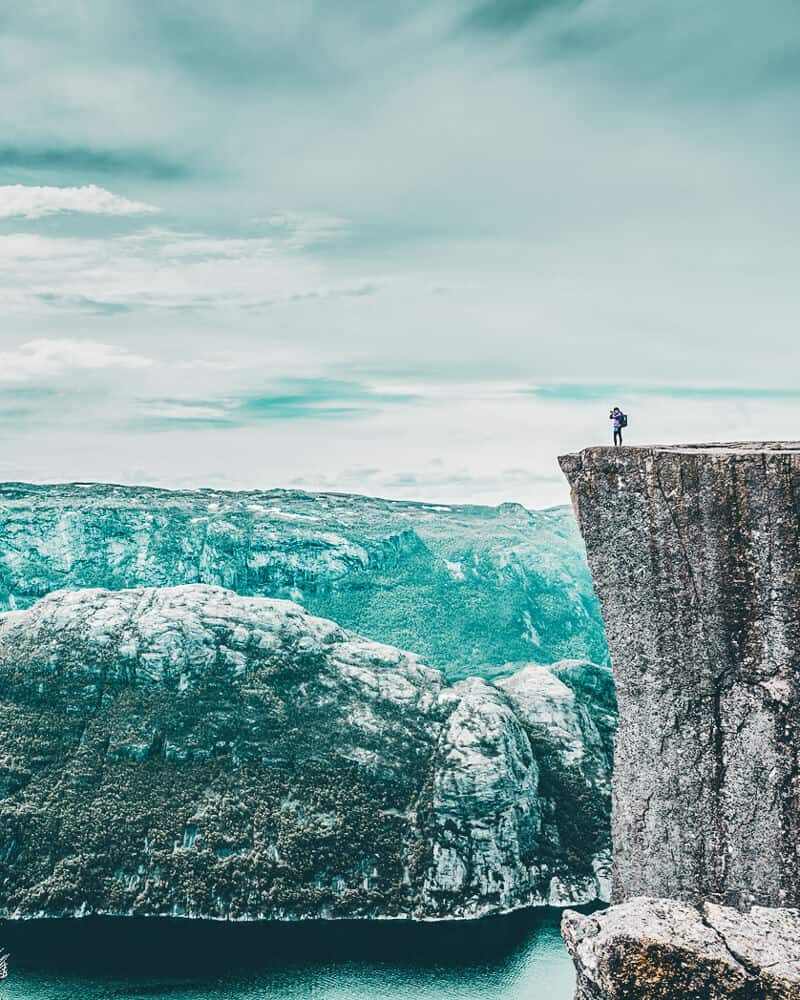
point(695, 554)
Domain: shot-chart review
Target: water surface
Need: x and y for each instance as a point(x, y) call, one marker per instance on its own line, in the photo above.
point(516, 957)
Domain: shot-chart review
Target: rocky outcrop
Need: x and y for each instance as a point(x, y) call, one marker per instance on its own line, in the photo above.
point(663, 949)
point(194, 752)
point(471, 589)
point(695, 553)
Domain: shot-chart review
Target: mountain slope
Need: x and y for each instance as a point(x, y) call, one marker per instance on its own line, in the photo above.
point(471, 589)
point(190, 751)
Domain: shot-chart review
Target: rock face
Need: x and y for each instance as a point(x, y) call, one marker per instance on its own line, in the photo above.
point(190, 751)
point(695, 553)
point(471, 589)
point(662, 949)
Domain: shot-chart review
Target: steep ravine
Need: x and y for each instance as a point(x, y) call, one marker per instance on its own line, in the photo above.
point(193, 752)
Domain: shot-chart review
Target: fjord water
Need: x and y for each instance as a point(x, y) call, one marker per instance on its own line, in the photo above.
point(514, 957)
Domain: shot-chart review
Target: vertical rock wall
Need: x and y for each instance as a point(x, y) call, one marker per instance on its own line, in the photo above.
point(695, 553)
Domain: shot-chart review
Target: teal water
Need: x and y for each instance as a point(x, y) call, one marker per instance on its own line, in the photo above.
point(516, 957)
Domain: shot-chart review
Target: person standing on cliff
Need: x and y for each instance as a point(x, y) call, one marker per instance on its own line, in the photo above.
point(617, 418)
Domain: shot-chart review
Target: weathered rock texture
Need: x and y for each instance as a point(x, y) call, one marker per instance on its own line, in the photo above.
point(661, 949)
point(695, 553)
point(189, 751)
point(470, 589)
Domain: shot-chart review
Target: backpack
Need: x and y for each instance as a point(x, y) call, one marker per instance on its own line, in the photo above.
point(623, 421)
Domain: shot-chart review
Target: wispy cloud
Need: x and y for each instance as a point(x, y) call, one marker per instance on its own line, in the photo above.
point(182, 413)
point(44, 359)
point(85, 160)
point(302, 230)
point(83, 303)
point(318, 397)
point(587, 392)
point(288, 399)
point(32, 202)
point(166, 269)
point(510, 16)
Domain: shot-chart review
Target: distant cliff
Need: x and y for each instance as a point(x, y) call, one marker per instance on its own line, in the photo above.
point(193, 752)
point(695, 553)
point(473, 590)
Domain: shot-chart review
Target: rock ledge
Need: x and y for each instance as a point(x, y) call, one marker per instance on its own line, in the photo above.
point(663, 949)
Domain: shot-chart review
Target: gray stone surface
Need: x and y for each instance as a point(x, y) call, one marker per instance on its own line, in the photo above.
point(193, 752)
point(662, 949)
point(695, 554)
point(765, 939)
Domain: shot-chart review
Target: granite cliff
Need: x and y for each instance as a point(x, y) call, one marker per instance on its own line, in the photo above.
point(473, 590)
point(194, 752)
point(695, 554)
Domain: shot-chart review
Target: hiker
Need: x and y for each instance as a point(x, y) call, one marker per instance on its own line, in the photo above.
point(619, 420)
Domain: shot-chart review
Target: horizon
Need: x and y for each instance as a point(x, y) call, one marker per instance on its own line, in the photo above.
point(420, 501)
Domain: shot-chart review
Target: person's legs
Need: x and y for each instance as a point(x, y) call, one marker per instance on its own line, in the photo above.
point(617, 436)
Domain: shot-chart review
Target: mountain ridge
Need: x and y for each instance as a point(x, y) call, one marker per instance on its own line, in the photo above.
point(468, 587)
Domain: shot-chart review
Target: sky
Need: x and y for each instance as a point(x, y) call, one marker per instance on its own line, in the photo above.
point(412, 250)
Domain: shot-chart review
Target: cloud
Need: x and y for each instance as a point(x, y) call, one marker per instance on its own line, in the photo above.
point(280, 400)
point(85, 160)
point(83, 304)
point(169, 413)
point(470, 443)
point(305, 230)
point(44, 359)
point(28, 402)
point(20, 200)
point(219, 362)
point(164, 269)
point(508, 16)
point(595, 392)
point(318, 398)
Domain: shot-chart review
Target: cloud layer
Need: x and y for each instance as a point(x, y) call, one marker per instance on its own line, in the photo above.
point(410, 246)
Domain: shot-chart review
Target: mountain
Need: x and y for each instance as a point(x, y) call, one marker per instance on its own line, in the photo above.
point(472, 590)
point(194, 752)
